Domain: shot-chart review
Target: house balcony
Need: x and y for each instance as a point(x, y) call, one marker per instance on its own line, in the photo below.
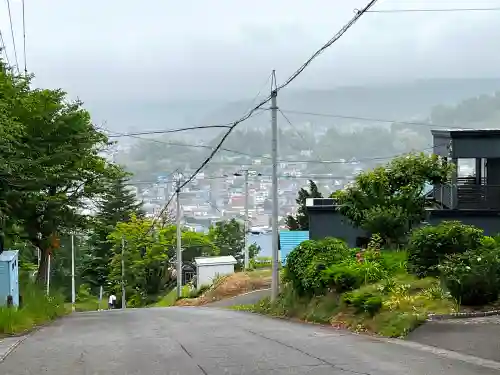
point(467, 194)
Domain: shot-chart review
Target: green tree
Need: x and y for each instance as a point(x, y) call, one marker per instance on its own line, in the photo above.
point(14, 168)
point(146, 254)
point(55, 166)
point(229, 237)
point(118, 204)
point(253, 250)
point(301, 220)
point(389, 200)
point(194, 244)
point(145, 257)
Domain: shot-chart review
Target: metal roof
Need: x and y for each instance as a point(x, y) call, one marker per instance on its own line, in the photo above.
point(212, 261)
point(8, 255)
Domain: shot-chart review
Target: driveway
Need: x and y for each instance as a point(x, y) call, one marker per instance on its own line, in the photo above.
point(210, 341)
point(474, 336)
point(250, 298)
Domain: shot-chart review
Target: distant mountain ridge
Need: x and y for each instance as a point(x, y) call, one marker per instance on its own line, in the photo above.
point(397, 101)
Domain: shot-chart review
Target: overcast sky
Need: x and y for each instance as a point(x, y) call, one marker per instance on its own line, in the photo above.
point(124, 49)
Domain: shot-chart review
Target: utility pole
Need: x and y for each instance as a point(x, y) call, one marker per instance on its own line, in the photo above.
point(73, 291)
point(101, 292)
point(124, 303)
point(274, 222)
point(179, 242)
point(48, 273)
point(247, 229)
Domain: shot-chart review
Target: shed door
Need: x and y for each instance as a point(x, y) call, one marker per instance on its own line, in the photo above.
point(4, 282)
point(14, 279)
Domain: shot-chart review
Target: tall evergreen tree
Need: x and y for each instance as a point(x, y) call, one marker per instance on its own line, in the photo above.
point(301, 220)
point(118, 204)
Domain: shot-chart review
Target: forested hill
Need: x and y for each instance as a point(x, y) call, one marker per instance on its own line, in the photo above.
point(340, 140)
point(413, 99)
point(404, 100)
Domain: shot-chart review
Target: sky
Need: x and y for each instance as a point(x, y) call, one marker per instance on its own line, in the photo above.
point(164, 50)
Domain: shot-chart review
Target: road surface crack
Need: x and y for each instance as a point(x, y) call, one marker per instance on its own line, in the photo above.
point(333, 365)
point(192, 357)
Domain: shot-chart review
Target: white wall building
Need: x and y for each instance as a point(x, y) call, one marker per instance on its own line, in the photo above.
point(209, 268)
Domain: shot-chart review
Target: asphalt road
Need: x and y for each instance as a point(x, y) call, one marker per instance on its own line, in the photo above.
point(200, 341)
point(473, 336)
point(250, 298)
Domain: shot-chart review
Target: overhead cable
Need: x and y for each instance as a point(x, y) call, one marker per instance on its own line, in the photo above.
point(150, 132)
point(389, 121)
point(442, 10)
point(24, 38)
point(336, 37)
point(3, 48)
point(13, 37)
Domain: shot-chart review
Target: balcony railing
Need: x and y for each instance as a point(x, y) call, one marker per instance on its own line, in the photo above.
point(468, 195)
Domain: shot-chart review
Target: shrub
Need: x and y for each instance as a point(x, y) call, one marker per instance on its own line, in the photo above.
point(472, 278)
point(305, 263)
point(84, 293)
point(390, 222)
point(394, 261)
point(363, 302)
point(343, 277)
point(351, 274)
point(431, 244)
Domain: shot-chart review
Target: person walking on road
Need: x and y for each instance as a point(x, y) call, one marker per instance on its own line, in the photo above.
point(111, 302)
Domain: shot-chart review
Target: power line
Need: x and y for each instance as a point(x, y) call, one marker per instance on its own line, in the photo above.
point(337, 36)
point(3, 48)
point(188, 145)
point(240, 153)
point(284, 160)
point(151, 132)
point(13, 37)
point(24, 38)
point(442, 10)
point(162, 210)
point(294, 128)
point(416, 123)
point(270, 77)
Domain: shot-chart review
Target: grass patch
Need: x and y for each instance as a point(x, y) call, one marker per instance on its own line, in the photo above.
point(261, 262)
point(392, 307)
point(171, 297)
point(37, 309)
point(89, 304)
point(168, 300)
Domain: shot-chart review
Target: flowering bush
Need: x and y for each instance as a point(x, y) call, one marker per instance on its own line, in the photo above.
point(472, 278)
point(431, 244)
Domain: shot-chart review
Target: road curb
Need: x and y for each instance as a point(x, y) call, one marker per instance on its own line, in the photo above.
point(481, 314)
point(478, 361)
point(16, 341)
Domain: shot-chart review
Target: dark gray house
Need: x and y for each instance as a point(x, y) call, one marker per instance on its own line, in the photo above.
point(472, 200)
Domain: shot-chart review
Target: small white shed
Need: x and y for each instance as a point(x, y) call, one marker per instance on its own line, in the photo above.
point(208, 268)
point(9, 277)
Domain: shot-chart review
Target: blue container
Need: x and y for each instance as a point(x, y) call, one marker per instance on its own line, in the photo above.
point(9, 277)
point(289, 240)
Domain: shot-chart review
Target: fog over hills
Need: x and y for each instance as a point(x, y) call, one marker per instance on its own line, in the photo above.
point(394, 101)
